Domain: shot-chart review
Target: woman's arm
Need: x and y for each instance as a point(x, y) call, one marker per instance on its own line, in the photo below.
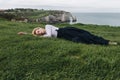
point(22, 33)
point(48, 29)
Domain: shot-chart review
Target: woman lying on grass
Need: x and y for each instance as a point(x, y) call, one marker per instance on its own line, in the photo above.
point(70, 33)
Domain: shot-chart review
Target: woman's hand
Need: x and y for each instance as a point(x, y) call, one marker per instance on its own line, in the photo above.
point(21, 33)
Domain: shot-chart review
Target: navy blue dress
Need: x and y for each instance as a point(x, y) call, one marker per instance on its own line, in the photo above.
point(80, 36)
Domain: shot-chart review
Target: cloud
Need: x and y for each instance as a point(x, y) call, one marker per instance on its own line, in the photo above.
point(69, 5)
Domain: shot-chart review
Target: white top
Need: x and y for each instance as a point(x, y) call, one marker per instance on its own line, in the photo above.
point(51, 31)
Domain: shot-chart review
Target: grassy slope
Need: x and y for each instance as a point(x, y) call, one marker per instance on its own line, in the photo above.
point(33, 58)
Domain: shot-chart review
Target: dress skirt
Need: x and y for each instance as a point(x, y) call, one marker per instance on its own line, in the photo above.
point(80, 36)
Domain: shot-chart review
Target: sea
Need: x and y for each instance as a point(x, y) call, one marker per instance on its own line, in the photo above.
point(111, 19)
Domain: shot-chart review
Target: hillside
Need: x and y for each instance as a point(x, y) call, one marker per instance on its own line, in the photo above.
point(34, 58)
point(36, 15)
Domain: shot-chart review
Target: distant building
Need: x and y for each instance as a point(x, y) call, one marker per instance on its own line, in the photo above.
point(2, 10)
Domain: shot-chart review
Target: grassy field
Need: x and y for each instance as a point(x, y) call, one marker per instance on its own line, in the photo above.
point(34, 58)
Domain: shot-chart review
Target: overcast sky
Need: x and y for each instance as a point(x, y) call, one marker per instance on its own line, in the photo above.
point(67, 5)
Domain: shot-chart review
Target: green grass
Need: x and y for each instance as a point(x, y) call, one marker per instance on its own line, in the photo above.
point(34, 58)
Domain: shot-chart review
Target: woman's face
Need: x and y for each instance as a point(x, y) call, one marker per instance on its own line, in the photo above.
point(40, 31)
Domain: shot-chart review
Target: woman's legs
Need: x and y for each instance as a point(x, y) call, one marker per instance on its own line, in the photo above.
point(79, 35)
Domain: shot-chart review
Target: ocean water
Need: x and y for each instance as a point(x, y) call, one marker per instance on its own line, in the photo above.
point(112, 19)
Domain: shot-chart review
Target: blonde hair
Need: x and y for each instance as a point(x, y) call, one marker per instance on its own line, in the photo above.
point(33, 31)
